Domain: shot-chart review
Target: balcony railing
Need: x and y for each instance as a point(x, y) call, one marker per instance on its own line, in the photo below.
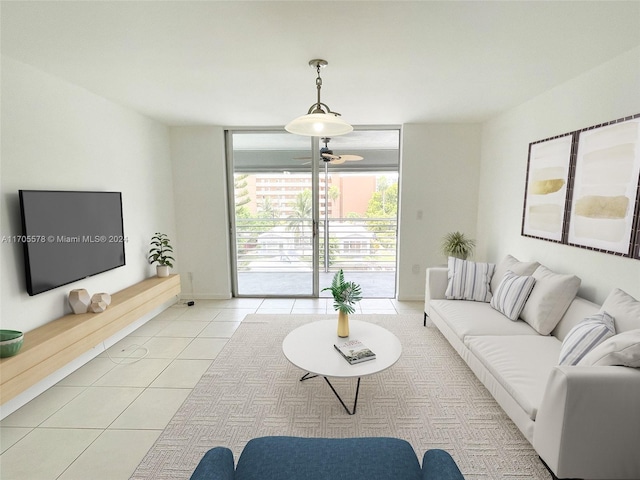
point(286, 245)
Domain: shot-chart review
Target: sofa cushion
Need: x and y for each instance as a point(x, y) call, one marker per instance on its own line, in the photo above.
point(284, 458)
point(469, 280)
point(549, 299)
point(437, 464)
point(512, 293)
point(621, 349)
point(520, 363)
point(216, 463)
point(472, 318)
point(585, 336)
point(513, 264)
point(624, 308)
point(577, 311)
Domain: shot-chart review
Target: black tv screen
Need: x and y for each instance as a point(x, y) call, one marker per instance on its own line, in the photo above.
point(68, 236)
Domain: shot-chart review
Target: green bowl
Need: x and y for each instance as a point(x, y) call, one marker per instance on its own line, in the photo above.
point(10, 342)
point(9, 335)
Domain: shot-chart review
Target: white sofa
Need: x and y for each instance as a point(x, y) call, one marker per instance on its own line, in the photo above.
point(583, 421)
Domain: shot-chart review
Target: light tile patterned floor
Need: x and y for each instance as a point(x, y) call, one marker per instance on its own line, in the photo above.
point(99, 422)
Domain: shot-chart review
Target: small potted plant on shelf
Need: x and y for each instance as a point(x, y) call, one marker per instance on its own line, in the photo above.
point(345, 295)
point(456, 244)
point(160, 253)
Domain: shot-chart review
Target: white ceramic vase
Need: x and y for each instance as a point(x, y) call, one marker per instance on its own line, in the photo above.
point(162, 270)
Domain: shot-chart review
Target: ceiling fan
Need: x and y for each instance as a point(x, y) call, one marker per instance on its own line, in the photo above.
point(327, 155)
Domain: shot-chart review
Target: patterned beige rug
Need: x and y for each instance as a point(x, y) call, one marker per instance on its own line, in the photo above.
point(430, 398)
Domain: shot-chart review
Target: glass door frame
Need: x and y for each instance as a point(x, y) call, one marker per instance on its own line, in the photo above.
point(317, 168)
point(315, 210)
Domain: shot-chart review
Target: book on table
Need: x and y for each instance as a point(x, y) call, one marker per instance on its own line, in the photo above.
point(354, 351)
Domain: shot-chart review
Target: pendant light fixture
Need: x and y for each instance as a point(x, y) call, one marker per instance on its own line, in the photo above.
point(319, 121)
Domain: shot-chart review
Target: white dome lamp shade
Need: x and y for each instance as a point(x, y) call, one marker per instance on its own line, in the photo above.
point(319, 121)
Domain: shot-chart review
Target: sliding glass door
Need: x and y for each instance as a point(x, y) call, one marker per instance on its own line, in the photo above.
point(297, 216)
point(273, 226)
point(358, 206)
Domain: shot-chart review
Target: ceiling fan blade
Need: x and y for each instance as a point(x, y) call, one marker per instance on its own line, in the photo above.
point(337, 160)
point(351, 158)
point(330, 156)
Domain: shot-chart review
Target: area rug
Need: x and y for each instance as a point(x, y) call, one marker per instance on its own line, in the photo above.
point(429, 398)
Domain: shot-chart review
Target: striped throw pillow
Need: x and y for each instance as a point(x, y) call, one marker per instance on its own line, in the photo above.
point(512, 294)
point(585, 336)
point(469, 280)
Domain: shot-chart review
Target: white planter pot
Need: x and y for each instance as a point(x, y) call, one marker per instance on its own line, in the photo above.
point(162, 270)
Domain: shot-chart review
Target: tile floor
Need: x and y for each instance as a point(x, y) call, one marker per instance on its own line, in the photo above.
point(99, 422)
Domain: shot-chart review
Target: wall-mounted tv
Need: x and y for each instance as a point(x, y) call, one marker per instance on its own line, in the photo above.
point(68, 236)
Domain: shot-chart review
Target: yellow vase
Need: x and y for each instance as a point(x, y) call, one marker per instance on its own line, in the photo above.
point(343, 324)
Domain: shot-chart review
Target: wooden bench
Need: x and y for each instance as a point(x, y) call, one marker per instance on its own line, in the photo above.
point(53, 345)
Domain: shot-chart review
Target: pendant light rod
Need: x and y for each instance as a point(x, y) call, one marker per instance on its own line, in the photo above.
point(320, 120)
point(317, 107)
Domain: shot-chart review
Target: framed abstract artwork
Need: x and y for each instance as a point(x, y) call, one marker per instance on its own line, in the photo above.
point(604, 198)
point(546, 189)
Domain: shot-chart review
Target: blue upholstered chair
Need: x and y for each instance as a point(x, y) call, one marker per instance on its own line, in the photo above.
point(289, 458)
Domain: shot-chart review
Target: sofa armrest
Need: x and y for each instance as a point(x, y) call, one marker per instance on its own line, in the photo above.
point(217, 464)
point(588, 423)
point(436, 285)
point(438, 465)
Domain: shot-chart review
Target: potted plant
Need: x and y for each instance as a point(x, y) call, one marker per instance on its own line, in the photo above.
point(160, 253)
point(345, 295)
point(455, 244)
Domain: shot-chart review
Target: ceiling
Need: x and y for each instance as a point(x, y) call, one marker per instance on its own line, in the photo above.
point(235, 63)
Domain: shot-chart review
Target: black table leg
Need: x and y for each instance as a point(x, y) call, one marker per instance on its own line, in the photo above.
point(355, 402)
point(308, 376)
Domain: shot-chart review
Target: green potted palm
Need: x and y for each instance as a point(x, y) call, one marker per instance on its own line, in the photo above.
point(345, 296)
point(160, 253)
point(456, 244)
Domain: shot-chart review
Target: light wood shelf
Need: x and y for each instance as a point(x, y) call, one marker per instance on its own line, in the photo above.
point(53, 345)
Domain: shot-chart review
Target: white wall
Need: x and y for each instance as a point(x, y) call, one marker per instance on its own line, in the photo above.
point(606, 93)
point(439, 177)
point(198, 160)
point(59, 136)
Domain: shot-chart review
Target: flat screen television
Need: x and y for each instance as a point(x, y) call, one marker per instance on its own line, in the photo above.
point(68, 236)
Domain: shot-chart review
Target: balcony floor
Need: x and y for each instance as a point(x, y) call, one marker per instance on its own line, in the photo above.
point(291, 284)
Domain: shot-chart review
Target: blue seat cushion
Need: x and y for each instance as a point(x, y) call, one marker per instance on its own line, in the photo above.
point(217, 464)
point(438, 465)
point(286, 458)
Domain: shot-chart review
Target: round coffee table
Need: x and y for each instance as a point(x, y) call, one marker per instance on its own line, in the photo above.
point(310, 347)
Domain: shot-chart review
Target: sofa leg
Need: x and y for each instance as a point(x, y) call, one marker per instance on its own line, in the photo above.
point(425, 319)
point(553, 475)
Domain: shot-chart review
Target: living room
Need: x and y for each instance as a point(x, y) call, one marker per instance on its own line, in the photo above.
point(63, 128)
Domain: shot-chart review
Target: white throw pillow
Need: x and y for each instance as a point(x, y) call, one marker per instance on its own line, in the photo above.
point(512, 294)
point(469, 280)
point(549, 299)
point(624, 308)
point(585, 336)
point(511, 263)
point(621, 349)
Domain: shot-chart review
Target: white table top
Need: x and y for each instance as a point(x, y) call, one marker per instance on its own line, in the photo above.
point(310, 348)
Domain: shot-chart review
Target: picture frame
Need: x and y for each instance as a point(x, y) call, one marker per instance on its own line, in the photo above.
point(547, 187)
point(603, 210)
point(635, 253)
